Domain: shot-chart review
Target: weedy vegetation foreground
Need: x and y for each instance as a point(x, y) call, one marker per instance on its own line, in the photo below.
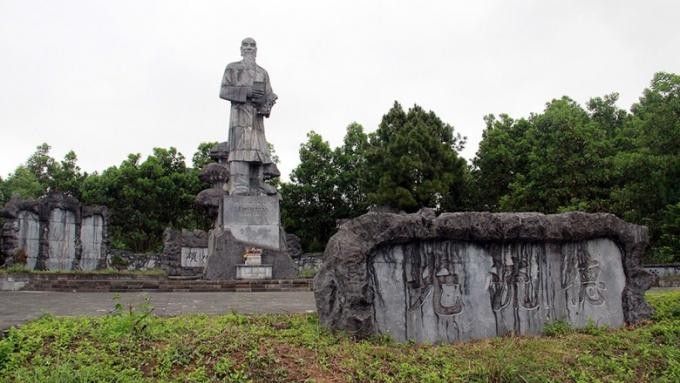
point(134, 345)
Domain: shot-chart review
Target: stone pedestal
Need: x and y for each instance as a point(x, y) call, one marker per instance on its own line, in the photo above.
point(225, 259)
point(243, 224)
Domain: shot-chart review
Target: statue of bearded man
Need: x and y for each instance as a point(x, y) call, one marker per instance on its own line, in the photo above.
point(247, 86)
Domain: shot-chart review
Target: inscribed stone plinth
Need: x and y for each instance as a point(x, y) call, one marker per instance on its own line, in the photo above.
point(29, 236)
point(91, 238)
point(61, 239)
point(465, 276)
point(253, 219)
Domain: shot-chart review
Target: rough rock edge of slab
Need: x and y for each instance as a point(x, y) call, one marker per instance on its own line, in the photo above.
point(344, 296)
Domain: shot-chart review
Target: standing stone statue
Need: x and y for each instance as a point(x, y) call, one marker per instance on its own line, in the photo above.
point(246, 85)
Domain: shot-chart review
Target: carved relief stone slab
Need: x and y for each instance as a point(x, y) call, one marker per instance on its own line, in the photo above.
point(194, 256)
point(56, 232)
point(91, 238)
point(29, 236)
point(449, 290)
point(61, 240)
point(464, 276)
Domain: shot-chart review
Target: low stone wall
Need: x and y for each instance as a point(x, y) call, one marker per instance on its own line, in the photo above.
point(664, 270)
point(309, 262)
point(127, 260)
point(78, 282)
point(668, 274)
point(462, 276)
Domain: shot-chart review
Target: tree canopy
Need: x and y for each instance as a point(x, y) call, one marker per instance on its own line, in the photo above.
point(413, 162)
point(598, 159)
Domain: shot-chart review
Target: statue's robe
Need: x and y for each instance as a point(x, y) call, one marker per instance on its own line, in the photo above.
point(247, 142)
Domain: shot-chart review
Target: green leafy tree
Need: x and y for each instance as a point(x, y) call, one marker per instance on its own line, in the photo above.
point(566, 152)
point(647, 164)
point(599, 159)
point(40, 163)
point(667, 248)
point(22, 184)
point(413, 163)
point(351, 181)
point(325, 187)
point(501, 158)
point(202, 155)
point(65, 176)
point(308, 202)
point(4, 193)
point(146, 197)
point(42, 173)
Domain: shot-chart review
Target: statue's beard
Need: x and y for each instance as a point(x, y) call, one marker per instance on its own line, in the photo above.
point(249, 58)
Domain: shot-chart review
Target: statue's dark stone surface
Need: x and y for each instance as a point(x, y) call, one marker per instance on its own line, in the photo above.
point(463, 276)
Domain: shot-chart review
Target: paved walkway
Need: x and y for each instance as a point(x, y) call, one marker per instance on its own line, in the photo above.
point(21, 306)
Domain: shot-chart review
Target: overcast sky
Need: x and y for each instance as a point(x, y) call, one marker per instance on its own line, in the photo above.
point(109, 78)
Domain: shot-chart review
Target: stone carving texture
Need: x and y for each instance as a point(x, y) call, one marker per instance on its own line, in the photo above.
point(56, 232)
point(61, 240)
point(466, 276)
point(29, 235)
point(194, 256)
point(175, 259)
point(91, 238)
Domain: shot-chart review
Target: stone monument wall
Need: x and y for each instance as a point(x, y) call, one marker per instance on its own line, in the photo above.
point(55, 232)
point(184, 252)
point(464, 276)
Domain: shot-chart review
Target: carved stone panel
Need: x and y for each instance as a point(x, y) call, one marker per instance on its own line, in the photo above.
point(449, 291)
point(61, 240)
point(91, 237)
point(194, 256)
point(463, 276)
point(29, 236)
point(56, 231)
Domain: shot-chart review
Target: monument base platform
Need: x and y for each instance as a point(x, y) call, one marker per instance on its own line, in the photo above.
point(225, 254)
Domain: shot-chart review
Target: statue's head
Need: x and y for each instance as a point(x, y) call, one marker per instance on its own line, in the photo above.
point(248, 47)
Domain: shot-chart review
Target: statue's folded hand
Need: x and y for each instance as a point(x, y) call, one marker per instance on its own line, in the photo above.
point(252, 92)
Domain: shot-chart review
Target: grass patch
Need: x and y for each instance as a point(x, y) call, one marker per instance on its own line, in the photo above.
point(307, 273)
point(133, 345)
